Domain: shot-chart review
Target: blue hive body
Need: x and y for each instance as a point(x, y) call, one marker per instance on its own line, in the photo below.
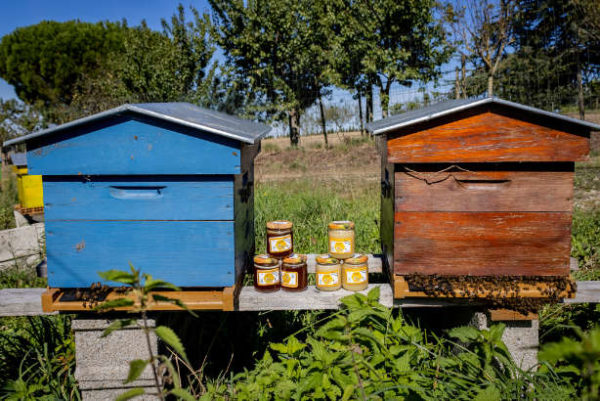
point(167, 187)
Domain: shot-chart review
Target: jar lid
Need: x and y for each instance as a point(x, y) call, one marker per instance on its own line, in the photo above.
point(357, 259)
point(294, 259)
point(326, 260)
point(341, 225)
point(279, 225)
point(265, 260)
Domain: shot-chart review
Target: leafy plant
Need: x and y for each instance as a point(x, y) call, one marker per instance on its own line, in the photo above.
point(137, 300)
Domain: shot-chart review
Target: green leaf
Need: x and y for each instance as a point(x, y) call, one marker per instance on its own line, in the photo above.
point(136, 367)
point(151, 284)
point(118, 276)
point(182, 394)
point(490, 393)
point(115, 303)
point(373, 295)
point(117, 325)
point(464, 333)
point(129, 394)
point(169, 337)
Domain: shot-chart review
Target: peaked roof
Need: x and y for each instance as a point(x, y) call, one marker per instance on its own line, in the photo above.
point(19, 159)
point(185, 114)
point(453, 106)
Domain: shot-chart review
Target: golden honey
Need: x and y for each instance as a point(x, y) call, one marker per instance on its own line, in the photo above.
point(355, 273)
point(280, 238)
point(341, 239)
point(328, 273)
point(294, 273)
point(266, 273)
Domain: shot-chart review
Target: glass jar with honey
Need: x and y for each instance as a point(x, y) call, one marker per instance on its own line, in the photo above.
point(266, 273)
point(355, 273)
point(329, 273)
point(294, 273)
point(341, 239)
point(280, 238)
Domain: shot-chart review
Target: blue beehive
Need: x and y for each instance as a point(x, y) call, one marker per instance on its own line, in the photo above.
point(165, 186)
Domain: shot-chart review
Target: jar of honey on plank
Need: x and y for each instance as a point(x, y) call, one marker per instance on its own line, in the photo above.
point(280, 238)
point(341, 239)
point(355, 273)
point(266, 273)
point(329, 273)
point(294, 273)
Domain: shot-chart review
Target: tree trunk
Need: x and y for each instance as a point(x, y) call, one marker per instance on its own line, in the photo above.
point(360, 113)
point(294, 122)
point(384, 99)
point(490, 88)
point(369, 98)
point(456, 86)
point(323, 123)
point(580, 102)
point(463, 61)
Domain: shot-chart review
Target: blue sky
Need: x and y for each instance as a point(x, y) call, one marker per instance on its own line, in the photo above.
point(16, 13)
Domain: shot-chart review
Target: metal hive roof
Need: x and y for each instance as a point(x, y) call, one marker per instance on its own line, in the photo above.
point(19, 159)
point(453, 106)
point(185, 114)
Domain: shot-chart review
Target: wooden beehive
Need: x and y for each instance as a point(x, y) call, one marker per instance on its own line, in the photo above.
point(29, 187)
point(165, 186)
point(478, 187)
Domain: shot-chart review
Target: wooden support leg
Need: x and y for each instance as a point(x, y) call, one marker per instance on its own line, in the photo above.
point(103, 363)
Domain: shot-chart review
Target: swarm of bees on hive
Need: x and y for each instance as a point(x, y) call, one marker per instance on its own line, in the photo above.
point(95, 294)
point(496, 291)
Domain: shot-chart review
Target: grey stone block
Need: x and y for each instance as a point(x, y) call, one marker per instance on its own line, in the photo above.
point(102, 363)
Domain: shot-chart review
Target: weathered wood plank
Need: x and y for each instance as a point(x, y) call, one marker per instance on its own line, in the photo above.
point(490, 243)
point(139, 198)
point(21, 302)
point(482, 191)
point(311, 298)
point(486, 137)
point(124, 146)
point(587, 291)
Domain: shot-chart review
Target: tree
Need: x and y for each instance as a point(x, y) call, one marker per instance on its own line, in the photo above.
point(401, 42)
point(275, 47)
point(44, 61)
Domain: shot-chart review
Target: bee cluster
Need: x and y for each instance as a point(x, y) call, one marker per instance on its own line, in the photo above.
point(96, 293)
point(495, 291)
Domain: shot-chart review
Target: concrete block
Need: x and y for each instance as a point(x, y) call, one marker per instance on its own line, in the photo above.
point(21, 245)
point(103, 363)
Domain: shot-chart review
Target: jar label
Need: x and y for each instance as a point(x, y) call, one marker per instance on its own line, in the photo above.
point(327, 279)
point(340, 245)
point(356, 275)
point(280, 244)
point(267, 277)
point(289, 279)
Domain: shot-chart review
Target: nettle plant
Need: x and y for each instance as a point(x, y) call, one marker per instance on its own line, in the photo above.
point(137, 300)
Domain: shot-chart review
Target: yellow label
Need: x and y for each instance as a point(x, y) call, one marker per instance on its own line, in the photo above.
point(267, 277)
point(280, 244)
point(356, 275)
point(289, 279)
point(340, 245)
point(327, 279)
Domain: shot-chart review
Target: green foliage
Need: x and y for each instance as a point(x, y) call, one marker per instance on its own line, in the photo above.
point(138, 300)
point(9, 197)
point(37, 361)
point(585, 242)
point(367, 351)
point(311, 207)
point(578, 361)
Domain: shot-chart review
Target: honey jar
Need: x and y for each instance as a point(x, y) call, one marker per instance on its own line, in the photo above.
point(266, 273)
point(329, 273)
point(355, 273)
point(341, 239)
point(280, 238)
point(294, 273)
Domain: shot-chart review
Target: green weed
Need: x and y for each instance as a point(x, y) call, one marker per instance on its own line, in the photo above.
point(8, 199)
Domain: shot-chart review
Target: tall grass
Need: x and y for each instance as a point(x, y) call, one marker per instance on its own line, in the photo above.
point(312, 205)
point(8, 199)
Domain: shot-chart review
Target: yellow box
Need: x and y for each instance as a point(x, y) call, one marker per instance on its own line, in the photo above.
point(31, 193)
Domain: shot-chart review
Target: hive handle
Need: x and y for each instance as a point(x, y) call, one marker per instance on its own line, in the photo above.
point(482, 184)
point(136, 192)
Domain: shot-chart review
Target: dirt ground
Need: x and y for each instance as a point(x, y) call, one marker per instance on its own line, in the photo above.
point(349, 156)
